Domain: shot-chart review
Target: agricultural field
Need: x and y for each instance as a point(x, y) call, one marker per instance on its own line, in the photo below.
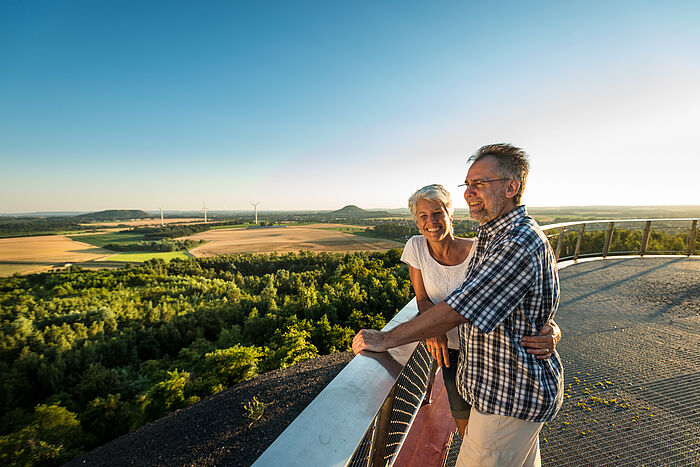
point(247, 225)
point(139, 257)
point(345, 228)
point(40, 253)
point(314, 237)
point(100, 240)
point(152, 222)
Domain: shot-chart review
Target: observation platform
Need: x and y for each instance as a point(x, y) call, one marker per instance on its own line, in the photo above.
point(631, 354)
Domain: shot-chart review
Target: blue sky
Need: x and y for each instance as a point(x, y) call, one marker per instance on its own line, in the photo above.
point(314, 105)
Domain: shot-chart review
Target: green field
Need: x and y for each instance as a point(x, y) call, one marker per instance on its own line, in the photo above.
point(101, 240)
point(140, 257)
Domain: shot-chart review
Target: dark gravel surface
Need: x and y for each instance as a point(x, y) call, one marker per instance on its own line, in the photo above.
point(216, 431)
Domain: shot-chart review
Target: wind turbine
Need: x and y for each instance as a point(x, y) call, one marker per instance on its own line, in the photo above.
point(255, 205)
point(204, 208)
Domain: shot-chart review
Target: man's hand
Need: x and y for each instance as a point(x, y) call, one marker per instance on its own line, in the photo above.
point(543, 345)
point(438, 349)
point(370, 339)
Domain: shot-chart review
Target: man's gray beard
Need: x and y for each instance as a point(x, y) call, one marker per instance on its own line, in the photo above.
point(486, 215)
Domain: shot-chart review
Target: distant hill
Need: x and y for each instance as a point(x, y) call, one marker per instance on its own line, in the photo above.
point(358, 213)
point(115, 215)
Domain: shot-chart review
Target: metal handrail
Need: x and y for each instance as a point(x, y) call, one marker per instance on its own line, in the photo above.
point(600, 221)
point(349, 421)
point(330, 429)
point(611, 223)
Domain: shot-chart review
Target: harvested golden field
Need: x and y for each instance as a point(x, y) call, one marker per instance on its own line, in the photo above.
point(31, 254)
point(315, 237)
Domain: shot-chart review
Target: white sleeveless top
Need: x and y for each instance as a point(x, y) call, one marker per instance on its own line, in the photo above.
point(439, 280)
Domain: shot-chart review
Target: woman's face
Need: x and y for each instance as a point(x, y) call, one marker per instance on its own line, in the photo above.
point(432, 220)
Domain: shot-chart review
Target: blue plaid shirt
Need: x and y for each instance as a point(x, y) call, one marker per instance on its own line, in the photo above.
point(511, 290)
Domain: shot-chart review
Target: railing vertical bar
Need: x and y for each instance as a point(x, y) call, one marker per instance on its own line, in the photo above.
point(429, 390)
point(559, 242)
point(371, 444)
point(645, 239)
point(578, 242)
point(691, 237)
point(382, 430)
point(608, 239)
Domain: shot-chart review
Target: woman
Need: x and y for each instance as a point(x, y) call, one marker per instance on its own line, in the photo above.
point(437, 262)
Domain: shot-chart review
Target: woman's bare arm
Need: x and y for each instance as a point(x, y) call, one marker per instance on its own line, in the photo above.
point(436, 345)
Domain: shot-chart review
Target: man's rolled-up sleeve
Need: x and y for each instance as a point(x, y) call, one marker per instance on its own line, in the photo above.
point(494, 288)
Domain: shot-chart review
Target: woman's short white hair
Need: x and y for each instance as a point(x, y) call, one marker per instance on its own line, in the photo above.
point(431, 193)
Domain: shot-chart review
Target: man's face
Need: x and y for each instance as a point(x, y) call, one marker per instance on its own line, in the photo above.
point(490, 201)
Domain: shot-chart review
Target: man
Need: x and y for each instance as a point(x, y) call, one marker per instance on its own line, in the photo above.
point(510, 292)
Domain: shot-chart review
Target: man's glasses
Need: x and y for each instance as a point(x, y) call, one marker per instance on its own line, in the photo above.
point(479, 184)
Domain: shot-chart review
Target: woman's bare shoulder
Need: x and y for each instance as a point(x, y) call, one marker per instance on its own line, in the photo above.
point(465, 242)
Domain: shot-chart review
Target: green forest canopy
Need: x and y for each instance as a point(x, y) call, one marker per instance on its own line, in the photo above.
point(107, 351)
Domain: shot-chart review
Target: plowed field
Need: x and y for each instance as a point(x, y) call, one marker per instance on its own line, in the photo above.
point(314, 237)
point(25, 254)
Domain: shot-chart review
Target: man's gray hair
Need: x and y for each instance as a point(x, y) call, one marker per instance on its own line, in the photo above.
point(431, 193)
point(513, 164)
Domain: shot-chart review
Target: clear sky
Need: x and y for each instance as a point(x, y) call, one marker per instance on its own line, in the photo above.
point(315, 105)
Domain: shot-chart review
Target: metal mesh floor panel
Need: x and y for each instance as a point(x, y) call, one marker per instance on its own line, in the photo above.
point(631, 354)
point(632, 392)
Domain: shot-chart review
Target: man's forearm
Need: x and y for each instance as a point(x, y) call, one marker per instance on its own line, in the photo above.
point(433, 322)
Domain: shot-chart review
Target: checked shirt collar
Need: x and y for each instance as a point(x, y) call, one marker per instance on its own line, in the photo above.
point(490, 228)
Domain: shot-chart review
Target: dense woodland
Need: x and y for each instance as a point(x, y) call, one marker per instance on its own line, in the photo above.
point(160, 245)
point(86, 356)
point(11, 227)
point(402, 229)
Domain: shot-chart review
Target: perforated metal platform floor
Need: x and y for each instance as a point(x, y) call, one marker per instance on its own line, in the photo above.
point(631, 354)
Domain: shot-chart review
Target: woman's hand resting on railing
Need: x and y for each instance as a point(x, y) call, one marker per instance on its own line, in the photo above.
point(437, 346)
point(544, 344)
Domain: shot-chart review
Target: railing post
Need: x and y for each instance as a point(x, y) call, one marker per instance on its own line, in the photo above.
point(381, 434)
point(645, 239)
point(608, 239)
point(429, 390)
point(559, 242)
point(691, 237)
point(578, 242)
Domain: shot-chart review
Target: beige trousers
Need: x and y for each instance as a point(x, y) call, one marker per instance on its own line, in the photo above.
point(497, 440)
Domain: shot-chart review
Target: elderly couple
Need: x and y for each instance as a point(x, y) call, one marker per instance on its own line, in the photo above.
point(485, 309)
